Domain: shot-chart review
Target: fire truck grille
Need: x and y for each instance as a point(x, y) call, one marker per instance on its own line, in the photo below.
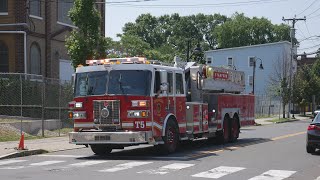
point(106, 112)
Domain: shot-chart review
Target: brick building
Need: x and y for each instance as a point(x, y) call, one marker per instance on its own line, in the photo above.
point(32, 35)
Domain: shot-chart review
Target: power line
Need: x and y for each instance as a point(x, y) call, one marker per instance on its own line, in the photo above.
point(308, 7)
point(310, 47)
point(314, 11)
point(243, 3)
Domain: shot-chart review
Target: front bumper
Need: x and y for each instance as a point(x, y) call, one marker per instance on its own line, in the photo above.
point(117, 138)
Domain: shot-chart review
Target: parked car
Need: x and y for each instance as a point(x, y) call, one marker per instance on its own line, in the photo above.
point(313, 135)
point(316, 111)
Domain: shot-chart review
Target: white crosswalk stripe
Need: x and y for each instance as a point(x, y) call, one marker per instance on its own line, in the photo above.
point(62, 156)
point(44, 163)
point(318, 178)
point(168, 168)
point(125, 166)
point(218, 172)
point(10, 162)
point(87, 163)
point(274, 175)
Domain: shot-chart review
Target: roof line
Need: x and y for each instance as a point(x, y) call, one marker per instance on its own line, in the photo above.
point(251, 46)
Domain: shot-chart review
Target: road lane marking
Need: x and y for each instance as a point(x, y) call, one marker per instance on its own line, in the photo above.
point(125, 166)
point(44, 163)
point(218, 172)
point(274, 175)
point(231, 148)
point(10, 162)
point(168, 168)
point(62, 156)
point(87, 163)
point(318, 178)
point(287, 136)
point(11, 167)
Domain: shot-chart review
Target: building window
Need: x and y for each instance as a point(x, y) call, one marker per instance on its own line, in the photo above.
point(230, 61)
point(209, 60)
point(251, 61)
point(64, 7)
point(35, 8)
point(250, 80)
point(4, 58)
point(3, 6)
point(35, 57)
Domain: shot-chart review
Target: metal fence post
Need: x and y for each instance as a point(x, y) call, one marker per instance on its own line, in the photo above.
point(21, 102)
point(60, 107)
point(43, 102)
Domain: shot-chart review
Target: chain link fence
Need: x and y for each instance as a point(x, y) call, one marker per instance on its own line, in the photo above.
point(266, 106)
point(34, 104)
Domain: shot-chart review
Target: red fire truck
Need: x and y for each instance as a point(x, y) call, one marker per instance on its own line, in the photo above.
point(130, 101)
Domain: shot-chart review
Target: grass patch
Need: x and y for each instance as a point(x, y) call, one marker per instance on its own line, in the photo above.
point(64, 130)
point(13, 136)
point(277, 120)
point(7, 121)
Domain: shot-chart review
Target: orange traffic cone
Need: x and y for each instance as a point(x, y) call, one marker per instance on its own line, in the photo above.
point(21, 143)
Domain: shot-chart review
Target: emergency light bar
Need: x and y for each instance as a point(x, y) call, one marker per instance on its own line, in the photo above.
point(131, 60)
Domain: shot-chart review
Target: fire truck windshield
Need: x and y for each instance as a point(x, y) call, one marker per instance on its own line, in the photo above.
point(130, 82)
point(91, 83)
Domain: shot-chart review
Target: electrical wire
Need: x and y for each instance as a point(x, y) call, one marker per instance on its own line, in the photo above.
point(242, 3)
point(309, 32)
point(308, 7)
point(314, 12)
point(310, 47)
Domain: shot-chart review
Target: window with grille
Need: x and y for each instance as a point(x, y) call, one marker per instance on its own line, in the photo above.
point(64, 7)
point(3, 6)
point(4, 58)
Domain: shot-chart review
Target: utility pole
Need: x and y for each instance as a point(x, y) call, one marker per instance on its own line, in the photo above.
point(292, 35)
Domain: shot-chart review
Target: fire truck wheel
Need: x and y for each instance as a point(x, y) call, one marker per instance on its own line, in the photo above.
point(100, 149)
point(224, 135)
point(234, 130)
point(171, 138)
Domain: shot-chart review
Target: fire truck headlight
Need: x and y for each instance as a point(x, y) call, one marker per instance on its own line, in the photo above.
point(78, 105)
point(137, 114)
point(79, 115)
point(139, 103)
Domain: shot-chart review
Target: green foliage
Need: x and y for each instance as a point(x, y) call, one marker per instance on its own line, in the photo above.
point(208, 31)
point(243, 31)
point(85, 42)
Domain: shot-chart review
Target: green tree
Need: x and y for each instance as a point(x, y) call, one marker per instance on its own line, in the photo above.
point(85, 41)
point(133, 45)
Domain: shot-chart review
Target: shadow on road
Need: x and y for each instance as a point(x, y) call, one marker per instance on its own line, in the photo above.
point(187, 151)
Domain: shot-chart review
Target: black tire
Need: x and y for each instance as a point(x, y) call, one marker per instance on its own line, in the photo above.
point(100, 149)
point(311, 149)
point(235, 130)
point(171, 138)
point(224, 135)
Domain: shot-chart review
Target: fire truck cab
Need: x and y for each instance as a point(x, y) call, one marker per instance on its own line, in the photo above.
point(130, 101)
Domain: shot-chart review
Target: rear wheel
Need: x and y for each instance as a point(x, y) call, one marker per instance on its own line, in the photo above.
point(234, 130)
point(311, 149)
point(100, 149)
point(224, 135)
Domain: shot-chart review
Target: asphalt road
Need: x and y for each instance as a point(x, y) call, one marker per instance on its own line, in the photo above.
point(271, 152)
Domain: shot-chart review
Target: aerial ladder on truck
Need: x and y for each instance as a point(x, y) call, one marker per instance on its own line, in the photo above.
point(123, 102)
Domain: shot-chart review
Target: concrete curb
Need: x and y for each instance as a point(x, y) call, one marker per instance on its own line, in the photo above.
point(287, 121)
point(24, 153)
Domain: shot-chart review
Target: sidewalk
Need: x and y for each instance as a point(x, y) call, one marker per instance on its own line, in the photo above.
point(36, 146)
point(265, 121)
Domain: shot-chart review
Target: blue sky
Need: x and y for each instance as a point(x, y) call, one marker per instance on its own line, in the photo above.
point(117, 14)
